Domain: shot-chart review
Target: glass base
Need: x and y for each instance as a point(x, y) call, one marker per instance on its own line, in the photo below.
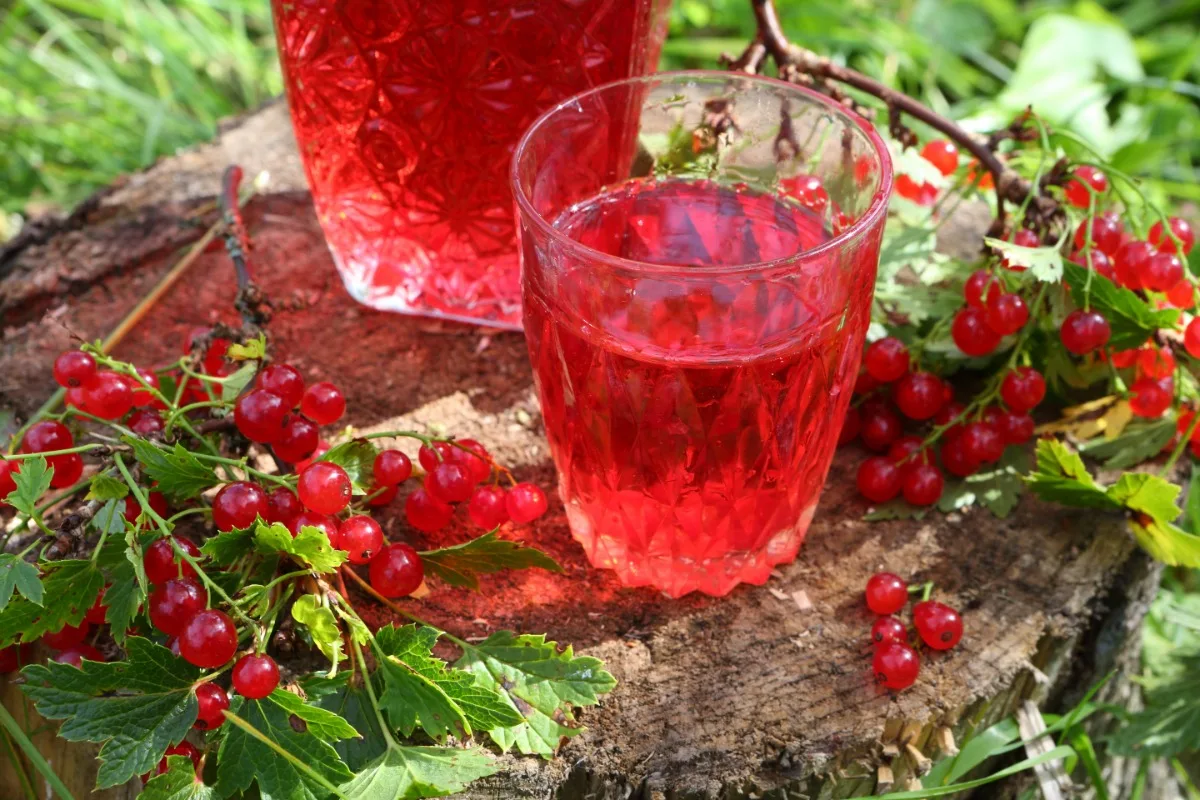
point(669, 562)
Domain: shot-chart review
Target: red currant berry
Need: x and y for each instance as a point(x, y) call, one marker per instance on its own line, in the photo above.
point(430, 457)
point(255, 676)
point(1023, 389)
point(1105, 234)
point(1149, 399)
point(209, 639)
point(426, 513)
point(449, 483)
point(864, 383)
point(214, 356)
point(142, 397)
point(181, 749)
point(1182, 229)
point(851, 425)
point(972, 334)
point(1182, 295)
point(878, 479)
point(1077, 189)
point(956, 458)
point(107, 395)
point(808, 191)
point(922, 485)
point(896, 666)
point(67, 469)
point(133, 510)
point(923, 194)
point(238, 505)
point(298, 442)
point(392, 467)
point(1083, 331)
point(981, 287)
point(361, 537)
point(322, 449)
point(146, 422)
point(488, 507)
point(474, 458)
point(1097, 260)
point(322, 522)
point(397, 571)
point(951, 412)
point(77, 398)
point(282, 506)
point(1156, 362)
point(73, 368)
point(45, 436)
point(906, 452)
point(880, 427)
point(324, 488)
point(284, 381)
point(1007, 314)
point(67, 636)
point(212, 700)
point(919, 395)
point(942, 154)
point(260, 416)
point(382, 495)
point(161, 564)
point(938, 625)
point(1162, 272)
point(886, 360)
point(983, 442)
point(526, 502)
point(1131, 262)
point(175, 602)
point(75, 655)
point(323, 403)
point(1191, 338)
point(1124, 359)
point(887, 630)
point(886, 593)
point(1015, 428)
point(97, 612)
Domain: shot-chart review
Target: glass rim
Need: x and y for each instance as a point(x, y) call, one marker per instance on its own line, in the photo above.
point(869, 217)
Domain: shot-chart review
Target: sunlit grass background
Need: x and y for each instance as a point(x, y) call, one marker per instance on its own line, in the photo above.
point(91, 89)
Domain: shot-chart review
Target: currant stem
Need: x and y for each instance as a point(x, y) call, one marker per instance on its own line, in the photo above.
point(83, 448)
point(287, 756)
point(362, 665)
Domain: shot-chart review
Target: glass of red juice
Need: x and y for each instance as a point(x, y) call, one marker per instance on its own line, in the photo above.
point(699, 253)
point(406, 113)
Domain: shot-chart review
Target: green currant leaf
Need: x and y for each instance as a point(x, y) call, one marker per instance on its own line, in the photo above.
point(311, 546)
point(255, 599)
point(137, 708)
point(420, 691)
point(18, 575)
point(409, 773)
point(895, 509)
point(1146, 493)
point(180, 474)
point(256, 348)
point(228, 546)
point(110, 518)
point(1169, 725)
point(1132, 319)
point(357, 457)
point(540, 683)
point(105, 487)
point(71, 587)
point(1043, 263)
point(321, 722)
point(322, 626)
point(354, 705)
point(461, 564)
point(1137, 443)
point(177, 783)
point(32, 482)
point(997, 488)
point(239, 380)
point(244, 759)
point(1166, 542)
point(125, 595)
point(1061, 477)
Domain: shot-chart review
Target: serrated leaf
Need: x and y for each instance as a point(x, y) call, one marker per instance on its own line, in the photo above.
point(1044, 263)
point(136, 708)
point(1131, 319)
point(540, 683)
point(105, 487)
point(1169, 725)
point(18, 575)
point(894, 509)
point(354, 705)
point(32, 482)
point(239, 380)
point(1105, 415)
point(310, 547)
point(179, 474)
point(110, 518)
point(73, 586)
point(997, 488)
point(1134, 445)
point(357, 457)
point(420, 691)
point(1146, 494)
point(255, 599)
point(461, 564)
point(179, 782)
point(407, 773)
point(256, 348)
point(228, 546)
point(1061, 477)
point(243, 759)
point(125, 595)
point(321, 722)
point(322, 626)
point(1166, 542)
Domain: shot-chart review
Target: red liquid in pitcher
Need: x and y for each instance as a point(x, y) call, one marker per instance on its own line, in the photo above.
point(407, 112)
point(693, 420)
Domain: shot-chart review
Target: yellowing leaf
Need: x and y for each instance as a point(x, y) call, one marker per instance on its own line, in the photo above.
point(1106, 415)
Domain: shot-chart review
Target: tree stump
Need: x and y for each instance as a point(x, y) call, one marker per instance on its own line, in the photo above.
point(766, 692)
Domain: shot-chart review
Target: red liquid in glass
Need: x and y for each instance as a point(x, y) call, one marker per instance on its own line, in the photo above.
point(693, 421)
point(407, 112)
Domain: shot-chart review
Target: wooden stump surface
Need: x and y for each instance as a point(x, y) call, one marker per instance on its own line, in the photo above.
point(765, 691)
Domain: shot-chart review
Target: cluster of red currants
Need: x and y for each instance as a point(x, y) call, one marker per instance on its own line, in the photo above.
point(896, 663)
point(968, 441)
point(47, 436)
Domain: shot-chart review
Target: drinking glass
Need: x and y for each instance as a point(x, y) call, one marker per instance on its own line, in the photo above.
point(406, 113)
point(699, 253)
